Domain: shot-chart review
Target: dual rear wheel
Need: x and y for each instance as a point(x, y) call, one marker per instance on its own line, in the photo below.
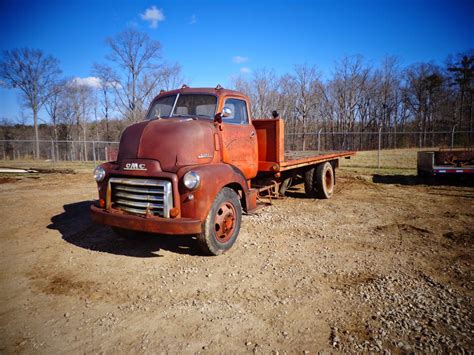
point(319, 181)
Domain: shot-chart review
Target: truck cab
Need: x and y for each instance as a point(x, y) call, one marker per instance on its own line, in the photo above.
point(194, 144)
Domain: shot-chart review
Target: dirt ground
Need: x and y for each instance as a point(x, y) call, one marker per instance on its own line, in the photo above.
point(386, 264)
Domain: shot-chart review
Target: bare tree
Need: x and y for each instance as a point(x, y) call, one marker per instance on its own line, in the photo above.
point(262, 89)
point(170, 77)
point(308, 93)
point(107, 84)
point(346, 90)
point(137, 55)
point(35, 74)
point(77, 105)
point(422, 93)
point(53, 108)
point(462, 76)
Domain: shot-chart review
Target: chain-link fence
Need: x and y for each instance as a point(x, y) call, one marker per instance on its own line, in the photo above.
point(59, 150)
point(357, 141)
point(94, 151)
point(381, 149)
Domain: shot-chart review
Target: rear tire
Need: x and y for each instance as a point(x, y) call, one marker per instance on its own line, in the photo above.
point(319, 181)
point(222, 225)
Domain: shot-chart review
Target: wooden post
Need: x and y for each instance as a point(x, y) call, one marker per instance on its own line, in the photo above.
point(452, 137)
point(93, 152)
point(380, 147)
point(319, 140)
point(52, 150)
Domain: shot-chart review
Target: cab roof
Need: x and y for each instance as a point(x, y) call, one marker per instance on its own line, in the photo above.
point(218, 91)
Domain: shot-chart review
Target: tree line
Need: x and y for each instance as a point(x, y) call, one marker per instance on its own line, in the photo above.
point(360, 99)
point(357, 97)
point(94, 108)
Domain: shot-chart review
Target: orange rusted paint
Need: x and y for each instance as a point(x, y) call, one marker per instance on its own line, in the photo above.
point(247, 157)
point(150, 225)
point(271, 141)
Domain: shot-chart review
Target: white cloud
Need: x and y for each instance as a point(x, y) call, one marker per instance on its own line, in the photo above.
point(239, 59)
point(90, 81)
point(245, 70)
point(193, 19)
point(153, 16)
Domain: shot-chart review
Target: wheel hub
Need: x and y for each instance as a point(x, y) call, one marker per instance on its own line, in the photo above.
point(224, 222)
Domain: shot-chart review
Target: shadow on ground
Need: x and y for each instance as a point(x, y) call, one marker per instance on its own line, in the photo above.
point(429, 180)
point(76, 227)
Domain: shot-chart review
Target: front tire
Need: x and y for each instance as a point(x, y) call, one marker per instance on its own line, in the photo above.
point(222, 225)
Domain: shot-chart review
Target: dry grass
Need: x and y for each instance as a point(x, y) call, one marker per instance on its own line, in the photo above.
point(48, 164)
point(392, 161)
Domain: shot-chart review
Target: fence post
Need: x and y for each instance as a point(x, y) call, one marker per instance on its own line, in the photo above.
point(319, 140)
point(93, 152)
point(452, 137)
point(380, 147)
point(52, 150)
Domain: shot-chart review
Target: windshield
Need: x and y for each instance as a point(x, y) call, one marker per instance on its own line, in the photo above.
point(191, 105)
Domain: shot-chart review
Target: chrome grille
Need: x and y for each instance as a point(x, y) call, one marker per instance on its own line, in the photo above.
point(141, 195)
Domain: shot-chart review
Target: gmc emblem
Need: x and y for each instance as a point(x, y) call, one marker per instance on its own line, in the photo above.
point(135, 166)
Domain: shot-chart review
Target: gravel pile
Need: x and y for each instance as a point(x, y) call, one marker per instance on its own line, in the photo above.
point(409, 314)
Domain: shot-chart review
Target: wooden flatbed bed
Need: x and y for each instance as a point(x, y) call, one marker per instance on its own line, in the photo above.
point(297, 159)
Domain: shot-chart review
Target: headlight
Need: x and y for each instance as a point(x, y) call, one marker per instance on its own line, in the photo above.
point(191, 180)
point(99, 174)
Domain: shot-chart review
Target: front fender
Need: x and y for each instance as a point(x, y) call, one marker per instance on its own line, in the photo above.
point(213, 178)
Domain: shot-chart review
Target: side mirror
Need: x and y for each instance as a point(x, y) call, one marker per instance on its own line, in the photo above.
point(227, 112)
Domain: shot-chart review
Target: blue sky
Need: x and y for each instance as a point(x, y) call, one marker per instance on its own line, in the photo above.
point(215, 40)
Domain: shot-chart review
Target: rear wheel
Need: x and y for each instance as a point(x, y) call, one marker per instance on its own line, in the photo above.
point(222, 225)
point(319, 181)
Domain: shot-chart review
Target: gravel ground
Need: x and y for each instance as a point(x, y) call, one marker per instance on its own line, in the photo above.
point(383, 267)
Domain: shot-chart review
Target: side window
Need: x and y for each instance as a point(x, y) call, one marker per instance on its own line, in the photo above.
point(239, 111)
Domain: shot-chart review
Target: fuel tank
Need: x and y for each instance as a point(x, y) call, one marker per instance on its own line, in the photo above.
point(173, 142)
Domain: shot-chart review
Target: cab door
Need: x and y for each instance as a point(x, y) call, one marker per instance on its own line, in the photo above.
point(239, 138)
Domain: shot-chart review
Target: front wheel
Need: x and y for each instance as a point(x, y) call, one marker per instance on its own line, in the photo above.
point(222, 225)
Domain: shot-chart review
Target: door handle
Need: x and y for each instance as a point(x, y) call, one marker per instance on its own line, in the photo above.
point(252, 134)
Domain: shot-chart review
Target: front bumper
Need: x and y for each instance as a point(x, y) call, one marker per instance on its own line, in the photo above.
point(146, 224)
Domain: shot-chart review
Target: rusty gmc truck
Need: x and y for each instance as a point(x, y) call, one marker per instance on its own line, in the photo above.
point(196, 163)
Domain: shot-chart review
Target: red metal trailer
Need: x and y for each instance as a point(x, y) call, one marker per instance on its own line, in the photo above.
point(445, 162)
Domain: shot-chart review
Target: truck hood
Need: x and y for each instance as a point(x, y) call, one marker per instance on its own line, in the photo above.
point(174, 142)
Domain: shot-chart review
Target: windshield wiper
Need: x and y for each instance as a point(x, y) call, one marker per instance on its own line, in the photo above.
point(174, 105)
